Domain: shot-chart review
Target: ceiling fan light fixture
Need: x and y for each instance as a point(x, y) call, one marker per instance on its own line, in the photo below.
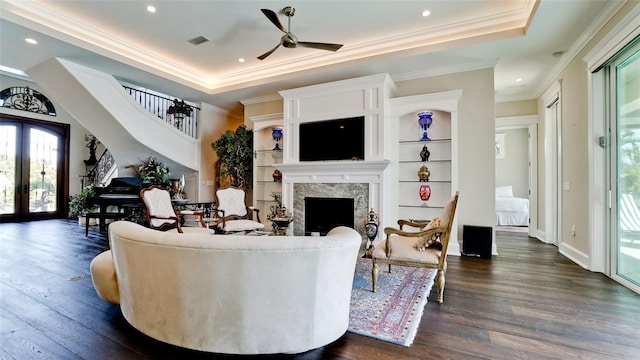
point(289, 40)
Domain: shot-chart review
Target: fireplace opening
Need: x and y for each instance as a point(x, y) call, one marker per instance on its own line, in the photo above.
point(323, 214)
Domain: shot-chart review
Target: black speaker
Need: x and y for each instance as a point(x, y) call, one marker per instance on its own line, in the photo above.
point(476, 241)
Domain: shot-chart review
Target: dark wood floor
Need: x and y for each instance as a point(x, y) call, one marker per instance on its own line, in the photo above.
point(527, 303)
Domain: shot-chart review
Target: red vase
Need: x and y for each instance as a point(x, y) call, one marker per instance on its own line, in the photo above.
point(425, 192)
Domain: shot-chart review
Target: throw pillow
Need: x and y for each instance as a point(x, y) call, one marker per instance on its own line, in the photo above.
point(432, 241)
point(504, 191)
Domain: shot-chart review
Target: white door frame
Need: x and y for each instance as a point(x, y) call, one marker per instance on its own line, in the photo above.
point(552, 101)
point(529, 122)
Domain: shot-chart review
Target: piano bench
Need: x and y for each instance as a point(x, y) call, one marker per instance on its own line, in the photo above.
point(102, 219)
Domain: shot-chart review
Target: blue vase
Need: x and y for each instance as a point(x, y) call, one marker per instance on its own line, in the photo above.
point(276, 133)
point(425, 120)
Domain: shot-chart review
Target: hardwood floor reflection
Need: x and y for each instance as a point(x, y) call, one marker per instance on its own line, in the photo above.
point(529, 302)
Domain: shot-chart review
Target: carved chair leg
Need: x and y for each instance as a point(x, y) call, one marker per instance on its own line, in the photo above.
point(374, 275)
point(440, 281)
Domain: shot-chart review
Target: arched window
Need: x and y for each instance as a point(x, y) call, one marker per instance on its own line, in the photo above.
point(26, 99)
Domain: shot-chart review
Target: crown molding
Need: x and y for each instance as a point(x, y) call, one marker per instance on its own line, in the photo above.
point(261, 99)
point(42, 17)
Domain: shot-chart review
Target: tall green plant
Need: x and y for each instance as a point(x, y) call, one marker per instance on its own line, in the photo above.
point(235, 153)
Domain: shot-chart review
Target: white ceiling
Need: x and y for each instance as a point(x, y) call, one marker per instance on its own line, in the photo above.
point(518, 37)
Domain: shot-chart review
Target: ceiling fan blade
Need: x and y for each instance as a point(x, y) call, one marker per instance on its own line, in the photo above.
point(264, 56)
point(273, 18)
point(321, 46)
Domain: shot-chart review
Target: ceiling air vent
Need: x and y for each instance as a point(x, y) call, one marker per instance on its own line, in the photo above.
point(198, 40)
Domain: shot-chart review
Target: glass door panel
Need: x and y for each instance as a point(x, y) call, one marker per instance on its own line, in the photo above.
point(43, 170)
point(32, 164)
point(7, 169)
point(627, 163)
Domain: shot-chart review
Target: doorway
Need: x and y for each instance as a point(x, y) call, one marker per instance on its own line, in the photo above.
point(33, 169)
point(523, 131)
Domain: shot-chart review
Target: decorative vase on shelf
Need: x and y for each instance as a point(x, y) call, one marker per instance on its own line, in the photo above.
point(425, 120)
point(424, 173)
point(425, 153)
point(425, 192)
point(277, 175)
point(276, 133)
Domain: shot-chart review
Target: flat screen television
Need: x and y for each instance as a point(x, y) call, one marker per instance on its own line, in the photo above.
point(338, 139)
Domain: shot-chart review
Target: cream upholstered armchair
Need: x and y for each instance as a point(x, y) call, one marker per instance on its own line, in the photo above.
point(426, 247)
point(160, 212)
point(233, 213)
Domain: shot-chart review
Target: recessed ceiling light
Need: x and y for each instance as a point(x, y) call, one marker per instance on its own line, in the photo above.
point(31, 41)
point(426, 13)
point(241, 60)
point(518, 79)
point(151, 8)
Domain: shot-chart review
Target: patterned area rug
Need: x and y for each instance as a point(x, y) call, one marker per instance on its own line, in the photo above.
point(394, 311)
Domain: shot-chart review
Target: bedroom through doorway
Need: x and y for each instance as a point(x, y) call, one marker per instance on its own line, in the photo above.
point(514, 167)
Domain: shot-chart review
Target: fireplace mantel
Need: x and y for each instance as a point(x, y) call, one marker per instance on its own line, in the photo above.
point(314, 169)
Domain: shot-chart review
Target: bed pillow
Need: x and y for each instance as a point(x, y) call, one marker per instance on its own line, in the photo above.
point(504, 191)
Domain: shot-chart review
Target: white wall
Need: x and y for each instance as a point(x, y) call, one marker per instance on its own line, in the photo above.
point(513, 168)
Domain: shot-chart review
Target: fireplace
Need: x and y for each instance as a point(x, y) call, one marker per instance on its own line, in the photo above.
point(358, 195)
point(321, 214)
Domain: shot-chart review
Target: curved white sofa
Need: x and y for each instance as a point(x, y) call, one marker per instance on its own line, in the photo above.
point(228, 293)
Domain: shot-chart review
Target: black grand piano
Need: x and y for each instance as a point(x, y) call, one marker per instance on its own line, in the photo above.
point(118, 200)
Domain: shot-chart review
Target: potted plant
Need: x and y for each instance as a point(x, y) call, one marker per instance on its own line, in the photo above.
point(79, 205)
point(235, 156)
point(152, 172)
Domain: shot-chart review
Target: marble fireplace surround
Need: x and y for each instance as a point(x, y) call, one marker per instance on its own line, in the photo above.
point(361, 180)
point(359, 192)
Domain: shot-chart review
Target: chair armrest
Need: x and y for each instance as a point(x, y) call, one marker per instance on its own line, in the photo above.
point(416, 224)
point(425, 233)
point(256, 210)
point(176, 218)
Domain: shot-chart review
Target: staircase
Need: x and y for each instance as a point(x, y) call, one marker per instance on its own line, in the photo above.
point(130, 132)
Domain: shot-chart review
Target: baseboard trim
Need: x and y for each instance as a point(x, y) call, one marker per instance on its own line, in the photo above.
point(575, 255)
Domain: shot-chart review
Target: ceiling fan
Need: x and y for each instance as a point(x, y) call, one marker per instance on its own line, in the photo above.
point(289, 40)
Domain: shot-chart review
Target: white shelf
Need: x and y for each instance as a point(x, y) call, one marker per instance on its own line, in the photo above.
point(410, 205)
point(265, 161)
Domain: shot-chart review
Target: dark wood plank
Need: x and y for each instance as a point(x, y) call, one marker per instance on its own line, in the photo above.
point(528, 302)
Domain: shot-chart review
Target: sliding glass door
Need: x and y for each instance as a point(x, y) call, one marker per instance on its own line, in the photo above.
point(625, 86)
point(31, 170)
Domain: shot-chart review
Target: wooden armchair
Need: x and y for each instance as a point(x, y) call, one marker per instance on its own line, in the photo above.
point(160, 212)
point(233, 212)
point(400, 247)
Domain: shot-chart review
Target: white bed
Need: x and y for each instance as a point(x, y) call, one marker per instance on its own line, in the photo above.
point(510, 210)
